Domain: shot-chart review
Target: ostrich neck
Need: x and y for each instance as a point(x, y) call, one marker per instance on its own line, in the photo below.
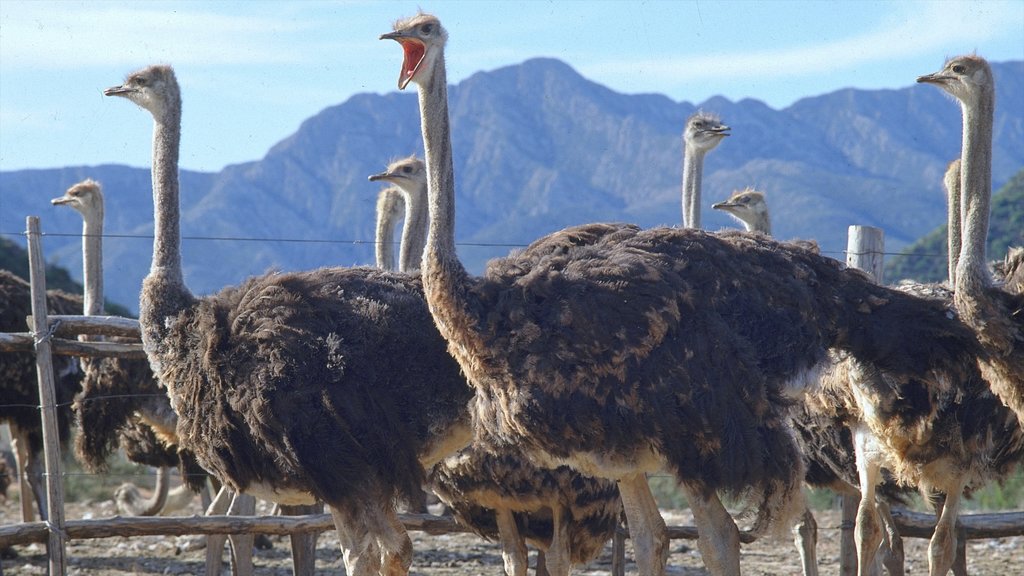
point(445, 281)
point(693, 164)
point(975, 190)
point(92, 263)
point(166, 233)
point(414, 231)
point(953, 240)
point(386, 216)
point(163, 291)
point(762, 224)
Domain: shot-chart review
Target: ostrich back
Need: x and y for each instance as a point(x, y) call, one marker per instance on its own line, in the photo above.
point(479, 480)
point(113, 391)
point(619, 342)
point(331, 383)
point(959, 422)
point(19, 386)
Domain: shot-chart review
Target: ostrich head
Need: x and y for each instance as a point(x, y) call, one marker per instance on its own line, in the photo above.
point(747, 205)
point(965, 78)
point(704, 131)
point(152, 88)
point(421, 36)
point(86, 197)
point(409, 173)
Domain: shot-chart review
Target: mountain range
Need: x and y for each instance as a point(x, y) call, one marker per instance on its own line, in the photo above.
point(537, 147)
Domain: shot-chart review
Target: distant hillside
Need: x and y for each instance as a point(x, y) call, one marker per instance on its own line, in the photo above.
point(15, 259)
point(537, 147)
point(925, 260)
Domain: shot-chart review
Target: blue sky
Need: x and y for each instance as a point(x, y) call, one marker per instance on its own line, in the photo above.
point(252, 71)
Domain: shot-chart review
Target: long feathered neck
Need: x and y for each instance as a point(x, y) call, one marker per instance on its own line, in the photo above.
point(92, 261)
point(414, 231)
point(445, 280)
point(167, 234)
point(953, 240)
point(972, 276)
point(693, 165)
point(762, 224)
point(163, 292)
point(387, 215)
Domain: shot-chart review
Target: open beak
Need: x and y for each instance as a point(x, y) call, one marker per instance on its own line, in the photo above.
point(414, 51)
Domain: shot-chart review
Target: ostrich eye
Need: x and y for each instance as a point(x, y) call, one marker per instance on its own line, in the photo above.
point(959, 69)
point(427, 29)
point(407, 169)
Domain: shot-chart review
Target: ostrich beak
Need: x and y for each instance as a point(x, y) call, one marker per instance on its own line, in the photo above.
point(935, 78)
point(720, 131)
point(723, 205)
point(380, 176)
point(414, 52)
point(116, 90)
point(61, 200)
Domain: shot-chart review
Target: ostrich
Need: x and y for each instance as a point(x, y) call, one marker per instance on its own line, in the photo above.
point(996, 315)
point(620, 351)
point(19, 394)
point(329, 385)
point(500, 493)
point(823, 426)
point(951, 182)
point(390, 209)
point(703, 133)
point(115, 390)
point(410, 177)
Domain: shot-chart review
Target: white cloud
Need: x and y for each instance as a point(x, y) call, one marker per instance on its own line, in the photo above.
point(922, 29)
point(44, 35)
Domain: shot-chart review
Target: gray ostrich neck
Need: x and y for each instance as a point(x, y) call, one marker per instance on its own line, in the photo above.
point(92, 262)
point(953, 239)
point(763, 224)
point(166, 233)
point(693, 164)
point(444, 278)
point(385, 236)
point(414, 231)
point(975, 190)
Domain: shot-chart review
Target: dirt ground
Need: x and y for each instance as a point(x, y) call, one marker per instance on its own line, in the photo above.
point(456, 554)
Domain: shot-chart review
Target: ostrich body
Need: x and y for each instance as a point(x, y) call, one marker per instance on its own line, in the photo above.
point(997, 316)
point(703, 133)
point(120, 399)
point(822, 422)
point(409, 175)
point(620, 351)
point(328, 385)
point(956, 435)
point(499, 493)
point(19, 392)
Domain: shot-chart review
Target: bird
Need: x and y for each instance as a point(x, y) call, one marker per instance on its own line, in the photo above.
point(951, 183)
point(409, 176)
point(997, 316)
point(330, 385)
point(620, 351)
point(390, 209)
point(750, 208)
point(19, 391)
point(499, 493)
point(822, 425)
point(121, 403)
point(704, 131)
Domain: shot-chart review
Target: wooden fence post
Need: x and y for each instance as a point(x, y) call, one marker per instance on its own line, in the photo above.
point(865, 250)
point(47, 401)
